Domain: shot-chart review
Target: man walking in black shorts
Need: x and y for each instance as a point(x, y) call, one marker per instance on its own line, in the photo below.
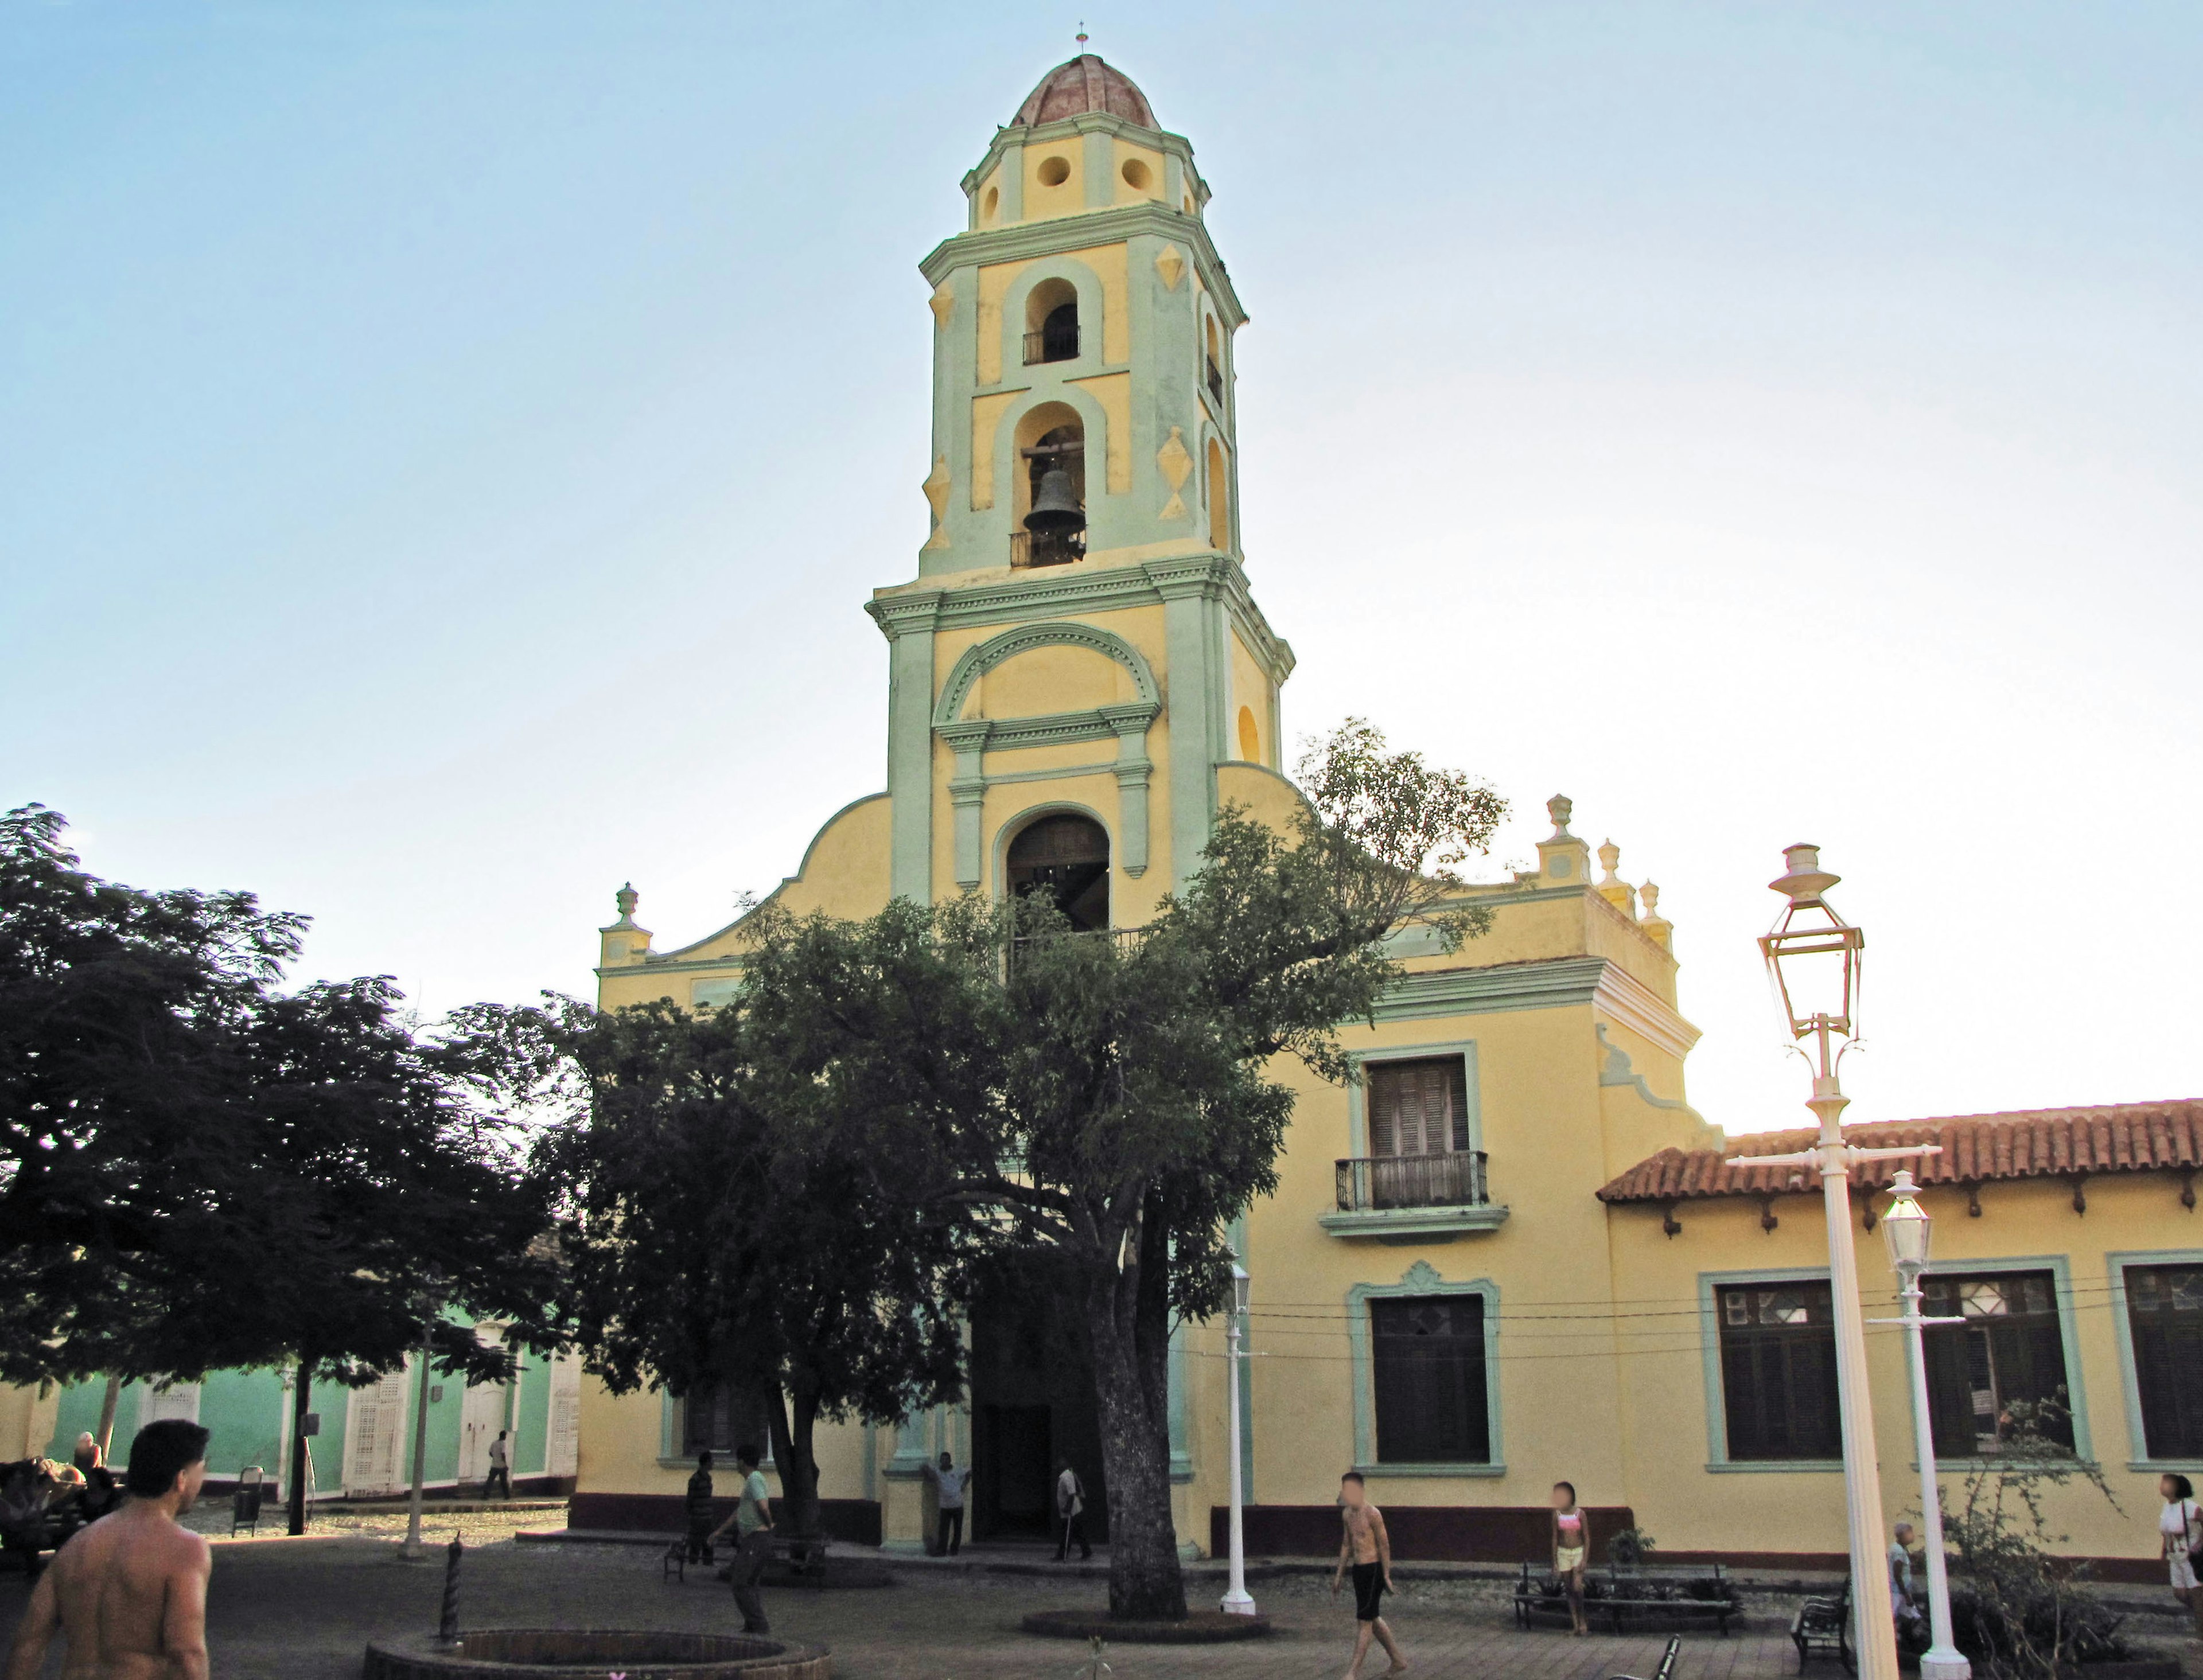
point(1366, 1546)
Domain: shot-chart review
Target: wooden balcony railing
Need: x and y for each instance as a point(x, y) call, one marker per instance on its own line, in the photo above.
point(1047, 548)
point(1369, 1181)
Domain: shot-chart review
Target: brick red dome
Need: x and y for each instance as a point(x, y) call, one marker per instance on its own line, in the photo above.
point(1085, 84)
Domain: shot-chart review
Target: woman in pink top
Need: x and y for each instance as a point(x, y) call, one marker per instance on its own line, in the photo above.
point(1571, 1547)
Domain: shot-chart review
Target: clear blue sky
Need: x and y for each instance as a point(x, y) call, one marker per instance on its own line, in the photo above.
point(446, 445)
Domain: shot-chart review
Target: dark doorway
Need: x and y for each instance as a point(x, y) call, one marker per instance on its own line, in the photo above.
point(1032, 1407)
point(1067, 858)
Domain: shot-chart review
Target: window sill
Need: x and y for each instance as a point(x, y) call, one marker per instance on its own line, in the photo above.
point(722, 1464)
point(2153, 1466)
point(1401, 1471)
point(1415, 1221)
point(1774, 1466)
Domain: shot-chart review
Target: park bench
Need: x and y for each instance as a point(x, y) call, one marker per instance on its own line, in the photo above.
point(1640, 1594)
point(1667, 1669)
point(1822, 1628)
point(245, 1503)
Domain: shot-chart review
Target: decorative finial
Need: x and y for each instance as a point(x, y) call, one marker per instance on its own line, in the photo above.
point(1608, 855)
point(1081, 37)
point(1648, 896)
point(1559, 808)
point(627, 898)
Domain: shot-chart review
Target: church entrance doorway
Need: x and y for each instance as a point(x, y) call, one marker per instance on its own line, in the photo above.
point(1033, 1410)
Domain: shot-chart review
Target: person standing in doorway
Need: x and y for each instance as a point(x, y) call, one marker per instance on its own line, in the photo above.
point(753, 1526)
point(697, 1508)
point(1070, 1509)
point(2180, 1531)
point(1571, 1551)
point(1368, 1549)
point(949, 1483)
point(129, 1594)
point(500, 1466)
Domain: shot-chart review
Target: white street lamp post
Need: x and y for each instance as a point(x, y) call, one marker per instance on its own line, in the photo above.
point(1236, 1601)
point(1905, 1227)
point(1813, 955)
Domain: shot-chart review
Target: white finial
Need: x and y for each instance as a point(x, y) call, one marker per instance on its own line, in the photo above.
point(1559, 808)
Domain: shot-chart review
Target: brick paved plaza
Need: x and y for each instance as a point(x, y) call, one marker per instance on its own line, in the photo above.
point(302, 1609)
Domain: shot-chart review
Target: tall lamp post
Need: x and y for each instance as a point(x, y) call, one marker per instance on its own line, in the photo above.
point(1906, 1228)
point(1813, 956)
point(1236, 1600)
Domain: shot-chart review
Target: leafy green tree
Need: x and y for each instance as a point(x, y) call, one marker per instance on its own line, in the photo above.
point(201, 1171)
point(710, 1245)
point(1108, 1101)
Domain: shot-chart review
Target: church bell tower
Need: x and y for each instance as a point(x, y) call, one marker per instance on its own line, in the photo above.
point(1079, 653)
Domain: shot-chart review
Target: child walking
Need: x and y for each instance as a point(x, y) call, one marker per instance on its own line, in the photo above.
point(1571, 1547)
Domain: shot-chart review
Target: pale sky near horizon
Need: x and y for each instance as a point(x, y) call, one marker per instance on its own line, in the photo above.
point(447, 446)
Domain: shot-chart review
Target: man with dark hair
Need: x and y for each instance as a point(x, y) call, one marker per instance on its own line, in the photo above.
point(500, 1466)
point(1365, 1545)
point(129, 1593)
point(753, 1526)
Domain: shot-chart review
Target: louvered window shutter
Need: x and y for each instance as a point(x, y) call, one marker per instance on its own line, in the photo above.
point(1383, 1112)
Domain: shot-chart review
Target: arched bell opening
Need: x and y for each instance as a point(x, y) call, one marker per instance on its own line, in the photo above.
point(1052, 322)
point(1051, 491)
point(1066, 857)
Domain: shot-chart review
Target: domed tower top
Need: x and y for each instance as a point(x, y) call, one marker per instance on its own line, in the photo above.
point(1085, 84)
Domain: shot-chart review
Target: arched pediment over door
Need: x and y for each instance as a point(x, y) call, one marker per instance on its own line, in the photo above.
point(1126, 722)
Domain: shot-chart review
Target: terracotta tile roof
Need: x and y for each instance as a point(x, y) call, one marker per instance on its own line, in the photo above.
point(1978, 1148)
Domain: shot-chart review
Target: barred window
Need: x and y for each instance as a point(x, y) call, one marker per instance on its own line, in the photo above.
point(2164, 1312)
point(1778, 1351)
point(1430, 1377)
point(2009, 1352)
point(721, 1417)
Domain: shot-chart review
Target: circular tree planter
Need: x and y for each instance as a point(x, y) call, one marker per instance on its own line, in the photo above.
point(1200, 1627)
point(562, 1653)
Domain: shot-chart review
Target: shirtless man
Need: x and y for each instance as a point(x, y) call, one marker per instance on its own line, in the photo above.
point(1366, 1546)
point(129, 1593)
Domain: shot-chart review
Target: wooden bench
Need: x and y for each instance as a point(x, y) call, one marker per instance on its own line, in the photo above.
point(1822, 1628)
point(1667, 1669)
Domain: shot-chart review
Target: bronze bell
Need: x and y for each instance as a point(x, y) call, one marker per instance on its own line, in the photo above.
point(1055, 509)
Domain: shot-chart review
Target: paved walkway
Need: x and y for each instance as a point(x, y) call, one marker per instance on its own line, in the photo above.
point(302, 1609)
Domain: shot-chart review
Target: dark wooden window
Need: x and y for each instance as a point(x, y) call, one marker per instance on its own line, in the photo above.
point(2164, 1313)
point(1430, 1376)
point(1067, 858)
point(2009, 1349)
point(720, 1418)
point(1778, 1348)
point(1418, 1108)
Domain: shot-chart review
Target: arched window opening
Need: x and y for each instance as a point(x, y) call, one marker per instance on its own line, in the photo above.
point(1054, 496)
point(1215, 365)
point(1067, 858)
point(1219, 498)
point(1052, 322)
point(1250, 737)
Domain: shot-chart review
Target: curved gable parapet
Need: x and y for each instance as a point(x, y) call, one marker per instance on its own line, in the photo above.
point(977, 661)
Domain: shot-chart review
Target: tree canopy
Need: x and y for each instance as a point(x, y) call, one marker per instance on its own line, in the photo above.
point(201, 1170)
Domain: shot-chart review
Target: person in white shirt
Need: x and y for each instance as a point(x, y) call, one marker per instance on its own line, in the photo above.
point(949, 1483)
point(1070, 1503)
point(753, 1526)
point(500, 1466)
point(2180, 1539)
point(1900, 1575)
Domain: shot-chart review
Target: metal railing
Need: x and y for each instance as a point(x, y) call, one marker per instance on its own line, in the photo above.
point(1125, 940)
point(1454, 1180)
point(1215, 381)
point(1060, 346)
point(1047, 548)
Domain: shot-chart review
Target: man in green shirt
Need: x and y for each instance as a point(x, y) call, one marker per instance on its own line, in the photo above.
point(753, 1526)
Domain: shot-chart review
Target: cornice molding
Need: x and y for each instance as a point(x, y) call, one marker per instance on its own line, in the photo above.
point(1562, 983)
point(1025, 239)
point(1632, 1004)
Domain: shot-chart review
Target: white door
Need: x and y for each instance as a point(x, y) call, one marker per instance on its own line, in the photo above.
point(482, 1415)
point(562, 1456)
point(169, 1399)
point(375, 1434)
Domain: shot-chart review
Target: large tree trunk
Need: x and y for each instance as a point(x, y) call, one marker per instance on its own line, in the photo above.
point(792, 1429)
point(301, 1403)
point(1128, 1320)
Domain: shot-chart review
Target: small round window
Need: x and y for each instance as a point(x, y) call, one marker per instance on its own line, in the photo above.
point(1137, 175)
point(1055, 171)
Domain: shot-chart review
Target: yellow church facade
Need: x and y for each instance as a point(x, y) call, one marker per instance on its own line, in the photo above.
point(1508, 1253)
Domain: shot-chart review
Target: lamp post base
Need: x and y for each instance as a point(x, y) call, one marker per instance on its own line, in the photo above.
point(1940, 1662)
point(1239, 1603)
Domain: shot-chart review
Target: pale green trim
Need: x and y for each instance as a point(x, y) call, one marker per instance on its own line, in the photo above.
point(1023, 639)
point(1568, 982)
point(2115, 1263)
point(1613, 1069)
point(1393, 1224)
point(1717, 1456)
point(2061, 1270)
point(1099, 767)
point(1120, 222)
point(1357, 1088)
point(1421, 1278)
point(1776, 1467)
